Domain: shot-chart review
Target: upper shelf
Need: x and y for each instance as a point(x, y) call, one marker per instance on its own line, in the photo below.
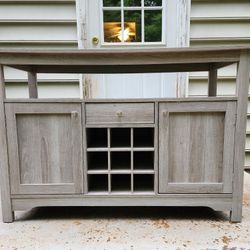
point(121, 61)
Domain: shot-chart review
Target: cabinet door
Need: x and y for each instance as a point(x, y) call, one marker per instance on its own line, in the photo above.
point(45, 148)
point(196, 143)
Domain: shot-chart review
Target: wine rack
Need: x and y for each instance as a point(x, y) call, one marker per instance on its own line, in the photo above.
point(120, 160)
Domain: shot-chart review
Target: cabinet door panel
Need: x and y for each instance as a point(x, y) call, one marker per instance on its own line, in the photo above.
point(196, 147)
point(45, 148)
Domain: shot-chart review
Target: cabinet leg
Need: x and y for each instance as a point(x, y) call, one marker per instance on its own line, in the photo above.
point(8, 216)
point(236, 215)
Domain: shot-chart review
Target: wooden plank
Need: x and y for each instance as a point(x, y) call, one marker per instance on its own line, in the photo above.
point(44, 100)
point(121, 125)
point(7, 213)
point(32, 83)
point(84, 144)
point(186, 99)
point(119, 149)
point(195, 188)
point(132, 159)
point(126, 60)
point(212, 81)
point(163, 148)
point(228, 151)
point(76, 147)
point(242, 87)
point(197, 107)
point(58, 196)
point(221, 203)
point(107, 69)
point(39, 162)
point(214, 149)
point(119, 113)
point(109, 160)
point(204, 143)
point(156, 149)
point(129, 100)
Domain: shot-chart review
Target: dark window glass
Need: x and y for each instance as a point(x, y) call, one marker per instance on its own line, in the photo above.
point(152, 2)
point(132, 3)
point(153, 25)
point(113, 3)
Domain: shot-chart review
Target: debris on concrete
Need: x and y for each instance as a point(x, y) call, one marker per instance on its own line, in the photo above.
point(125, 228)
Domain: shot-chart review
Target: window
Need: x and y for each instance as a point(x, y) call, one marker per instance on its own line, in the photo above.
point(132, 21)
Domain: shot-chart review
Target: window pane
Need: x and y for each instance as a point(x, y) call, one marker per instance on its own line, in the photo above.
point(113, 3)
point(132, 2)
point(153, 25)
point(112, 26)
point(132, 26)
point(153, 2)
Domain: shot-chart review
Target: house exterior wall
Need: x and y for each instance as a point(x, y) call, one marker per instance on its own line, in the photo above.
point(39, 24)
point(215, 23)
point(53, 24)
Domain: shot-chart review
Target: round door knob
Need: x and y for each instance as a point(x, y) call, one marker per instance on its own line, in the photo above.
point(95, 40)
point(119, 113)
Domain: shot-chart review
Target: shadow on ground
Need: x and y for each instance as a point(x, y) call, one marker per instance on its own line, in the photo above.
point(175, 213)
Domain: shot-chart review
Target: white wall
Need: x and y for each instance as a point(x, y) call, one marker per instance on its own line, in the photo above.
point(41, 25)
point(224, 22)
point(52, 24)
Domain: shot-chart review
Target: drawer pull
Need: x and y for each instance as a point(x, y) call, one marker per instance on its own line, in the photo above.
point(119, 113)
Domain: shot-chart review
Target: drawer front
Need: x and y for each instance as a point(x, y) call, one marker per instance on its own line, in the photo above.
point(119, 113)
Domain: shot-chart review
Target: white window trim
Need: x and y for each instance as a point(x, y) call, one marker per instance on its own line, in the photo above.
point(141, 8)
point(180, 35)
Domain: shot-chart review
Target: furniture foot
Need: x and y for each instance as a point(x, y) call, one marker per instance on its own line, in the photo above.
point(235, 216)
point(8, 216)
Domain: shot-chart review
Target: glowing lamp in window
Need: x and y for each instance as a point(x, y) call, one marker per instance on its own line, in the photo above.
point(113, 32)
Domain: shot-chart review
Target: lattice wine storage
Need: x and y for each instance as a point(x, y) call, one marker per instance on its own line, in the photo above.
point(120, 160)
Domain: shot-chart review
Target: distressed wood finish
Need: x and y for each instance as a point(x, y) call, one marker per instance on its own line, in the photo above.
point(196, 153)
point(7, 213)
point(32, 82)
point(220, 203)
point(242, 87)
point(45, 141)
point(120, 61)
point(119, 113)
point(212, 81)
point(199, 134)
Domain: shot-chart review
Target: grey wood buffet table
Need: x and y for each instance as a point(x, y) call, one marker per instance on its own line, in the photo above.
point(138, 152)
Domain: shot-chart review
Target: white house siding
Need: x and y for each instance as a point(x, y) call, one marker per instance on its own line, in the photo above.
point(224, 22)
point(39, 24)
point(52, 24)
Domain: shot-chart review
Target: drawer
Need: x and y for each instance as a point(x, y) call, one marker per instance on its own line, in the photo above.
point(97, 113)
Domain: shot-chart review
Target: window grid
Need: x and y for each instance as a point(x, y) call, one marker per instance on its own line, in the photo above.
point(123, 8)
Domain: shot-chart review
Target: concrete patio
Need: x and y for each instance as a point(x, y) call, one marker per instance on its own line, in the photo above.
point(127, 228)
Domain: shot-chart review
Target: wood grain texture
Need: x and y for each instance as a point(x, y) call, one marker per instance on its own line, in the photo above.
point(220, 203)
point(242, 87)
point(119, 113)
point(126, 60)
point(212, 81)
point(7, 212)
point(32, 83)
point(46, 145)
point(84, 143)
point(193, 150)
point(133, 100)
point(198, 144)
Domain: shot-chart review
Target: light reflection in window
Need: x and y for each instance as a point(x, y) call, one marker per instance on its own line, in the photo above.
point(132, 21)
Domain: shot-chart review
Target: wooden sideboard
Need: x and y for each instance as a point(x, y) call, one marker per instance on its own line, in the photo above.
point(124, 152)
